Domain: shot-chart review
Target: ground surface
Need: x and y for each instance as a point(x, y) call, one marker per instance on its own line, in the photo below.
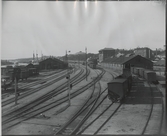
point(129, 119)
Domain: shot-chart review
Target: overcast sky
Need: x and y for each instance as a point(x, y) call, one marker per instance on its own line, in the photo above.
point(55, 26)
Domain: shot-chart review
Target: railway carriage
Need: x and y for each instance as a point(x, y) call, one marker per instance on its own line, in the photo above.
point(150, 76)
point(5, 82)
point(32, 71)
point(137, 70)
point(117, 89)
point(132, 69)
point(141, 72)
point(147, 74)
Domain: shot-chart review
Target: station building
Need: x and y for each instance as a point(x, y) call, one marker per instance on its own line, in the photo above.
point(122, 62)
point(52, 63)
point(105, 53)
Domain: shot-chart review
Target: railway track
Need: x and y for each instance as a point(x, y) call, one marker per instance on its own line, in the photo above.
point(83, 125)
point(42, 81)
point(48, 95)
point(87, 107)
point(146, 130)
point(9, 121)
point(31, 91)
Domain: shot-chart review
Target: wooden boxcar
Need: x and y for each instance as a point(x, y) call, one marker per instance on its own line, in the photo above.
point(24, 74)
point(92, 65)
point(136, 70)
point(5, 82)
point(132, 70)
point(150, 76)
point(141, 72)
point(117, 89)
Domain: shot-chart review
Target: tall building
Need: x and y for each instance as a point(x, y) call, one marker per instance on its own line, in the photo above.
point(106, 53)
point(145, 52)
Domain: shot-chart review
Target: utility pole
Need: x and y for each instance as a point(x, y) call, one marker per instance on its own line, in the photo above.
point(86, 63)
point(68, 78)
point(16, 74)
point(15, 91)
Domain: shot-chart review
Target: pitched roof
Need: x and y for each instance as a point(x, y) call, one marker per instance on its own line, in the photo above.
point(122, 59)
point(106, 49)
point(160, 63)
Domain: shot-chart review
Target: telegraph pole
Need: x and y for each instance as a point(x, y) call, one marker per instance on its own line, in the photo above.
point(15, 91)
point(68, 78)
point(86, 63)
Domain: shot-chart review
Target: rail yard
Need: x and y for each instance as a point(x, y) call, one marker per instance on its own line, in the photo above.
point(82, 100)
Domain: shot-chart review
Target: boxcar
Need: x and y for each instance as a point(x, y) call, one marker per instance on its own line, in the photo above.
point(117, 89)
point(5, 82)
point(132, 69)
point(129, 83)
point(150, 76)
point(137, 70)
point(24, 75)
point(32, 71)
point(92, 65)
point(126, 72)
point(141, 70)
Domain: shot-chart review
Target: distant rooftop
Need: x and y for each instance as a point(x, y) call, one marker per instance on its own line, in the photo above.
point(122, 59)
point(106, 49)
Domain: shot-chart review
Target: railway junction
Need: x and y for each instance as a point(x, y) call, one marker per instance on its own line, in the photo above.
point(58, 104)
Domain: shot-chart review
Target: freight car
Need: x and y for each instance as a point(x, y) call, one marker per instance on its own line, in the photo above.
point(5, 82)
point(24, 72)
point(33, 71)
point(150, 76)
point(137, 70)
point(117, 89)
point(92, 65)
point(147, 74)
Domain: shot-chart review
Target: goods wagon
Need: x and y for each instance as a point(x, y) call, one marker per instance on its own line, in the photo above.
point(141, 72)
point(5, 82)
point(117, 89)
point(92, 65)
point(33, 71)
point(150, 76)
point(136, 70)
point(132, 69)
point(23, 75)
point(147, 74)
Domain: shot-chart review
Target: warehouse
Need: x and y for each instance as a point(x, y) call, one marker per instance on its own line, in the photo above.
point(126, 62)
point(52, 63)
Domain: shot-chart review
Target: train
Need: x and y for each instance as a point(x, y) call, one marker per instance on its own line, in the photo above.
point(7, 74)
point(121, 85)
point(119, 88)
point(147, 74)
point(5, 82)
point(92, 63)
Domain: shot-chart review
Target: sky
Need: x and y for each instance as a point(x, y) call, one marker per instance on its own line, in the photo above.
point(52, 27)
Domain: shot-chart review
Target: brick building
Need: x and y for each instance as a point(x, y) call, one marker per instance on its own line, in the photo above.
point(122, 62)
point(106, 53)
point(145, 52)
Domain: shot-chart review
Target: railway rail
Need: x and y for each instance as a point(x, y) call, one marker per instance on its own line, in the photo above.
point(9, 121)
point(78, 130)
point(22, 87)
point(31, 91)
point(152, 104)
